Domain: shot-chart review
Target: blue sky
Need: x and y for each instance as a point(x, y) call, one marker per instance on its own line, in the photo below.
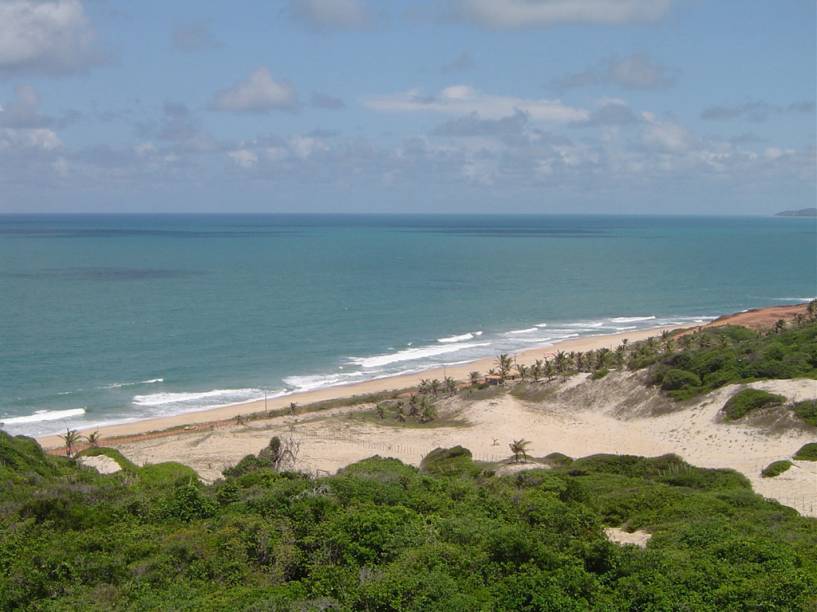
point(530, 106)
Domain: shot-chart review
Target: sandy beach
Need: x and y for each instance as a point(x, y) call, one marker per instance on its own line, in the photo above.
point(577, 416)
point(458, 372)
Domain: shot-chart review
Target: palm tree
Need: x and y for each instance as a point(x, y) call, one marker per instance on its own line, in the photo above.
point(413, 405)
point(522, 369)
point(779, 326)
point(450, 385)
point(519, 448)
point(474, 378)
point(550, 370)
point(503, 364)
point(560, 362)
point(429, 412)
point(537, 369)
point(70, 437)
point(292, 407)
point(424, 386)
point(812, 309)
point(93, 439)
point(435, 387)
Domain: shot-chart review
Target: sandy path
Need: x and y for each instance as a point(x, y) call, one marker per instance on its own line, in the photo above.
point(568, 425)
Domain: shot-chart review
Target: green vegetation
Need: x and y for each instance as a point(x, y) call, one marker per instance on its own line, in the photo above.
point(697, 363)
point(417, 410)
point(381, 535)
point(747, 400)
point(599, 374)
point(775, 468)
point(806, 411)
point(808, 452)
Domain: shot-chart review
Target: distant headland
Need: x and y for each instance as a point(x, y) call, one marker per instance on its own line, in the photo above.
point(803, 212)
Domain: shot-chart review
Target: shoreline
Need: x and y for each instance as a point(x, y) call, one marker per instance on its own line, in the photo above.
point(396, 382)
point(756, 318)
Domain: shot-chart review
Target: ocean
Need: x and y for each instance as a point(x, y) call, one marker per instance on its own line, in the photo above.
point(113, 318)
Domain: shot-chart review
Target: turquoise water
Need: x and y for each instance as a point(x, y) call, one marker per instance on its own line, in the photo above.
point(109, 318)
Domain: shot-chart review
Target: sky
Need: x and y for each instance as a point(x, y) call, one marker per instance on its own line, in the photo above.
point(450, 106)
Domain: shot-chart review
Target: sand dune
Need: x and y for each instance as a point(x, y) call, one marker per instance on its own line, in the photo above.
point(584, 417)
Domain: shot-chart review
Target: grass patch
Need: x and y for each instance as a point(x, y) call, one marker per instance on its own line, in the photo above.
point(599, 374)
point(806, 411)
point(748, 400)
point(808, 452)
point(483, 392)
point(387, 414)
point(532, 392)
point(775, 468)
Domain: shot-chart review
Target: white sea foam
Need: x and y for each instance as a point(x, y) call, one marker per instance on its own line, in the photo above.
point(319, 381)
point(414, 354)
point(586, 324)
point(43, 415)
point(626, 327)
point(631, 319)
point(541, 325)
point(794, 299)
point(207, 398)
point(556, 338)
point(460, 338)
point(527, 330)
point(150, 381)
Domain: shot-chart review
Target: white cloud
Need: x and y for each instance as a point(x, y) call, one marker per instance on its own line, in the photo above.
point(331, 14)
point(259, 93)
point(464, 100)
point(243, 157)
point(37, 139)
point(665, 135)
point(48, 36)
point(507, 14)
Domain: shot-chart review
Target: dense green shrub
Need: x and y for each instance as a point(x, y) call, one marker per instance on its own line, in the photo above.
point(675, 378)
point(726, 355)
point(746, 400)
point(807, 452)
point(382, 535)
point(775, 468)
point(599, 374)
point(456, 460)
point(806, 411)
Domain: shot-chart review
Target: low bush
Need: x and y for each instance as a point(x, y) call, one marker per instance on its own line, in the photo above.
point(775, 468)
point(806, 411)
point(747, 400)
point(807, 452)
point(599, 374)
point(455, 460)
point(382, 535)
point(674, 379)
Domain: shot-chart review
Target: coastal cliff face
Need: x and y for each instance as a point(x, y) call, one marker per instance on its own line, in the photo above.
point(803, 212)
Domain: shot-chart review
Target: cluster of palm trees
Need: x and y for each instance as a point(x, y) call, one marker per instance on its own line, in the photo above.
point(420, 406)
point(436, 387)
point(72, 438)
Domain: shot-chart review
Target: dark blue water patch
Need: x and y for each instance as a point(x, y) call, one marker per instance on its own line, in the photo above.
point(103, 274)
